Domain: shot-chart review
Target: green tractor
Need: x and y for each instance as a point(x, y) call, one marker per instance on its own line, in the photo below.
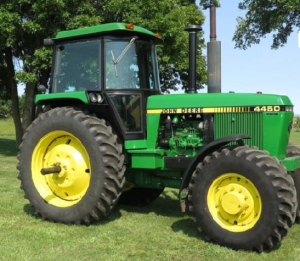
point(107, 136)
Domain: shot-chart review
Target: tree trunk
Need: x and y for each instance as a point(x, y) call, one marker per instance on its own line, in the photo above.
point(14, 95)
point(29, 106)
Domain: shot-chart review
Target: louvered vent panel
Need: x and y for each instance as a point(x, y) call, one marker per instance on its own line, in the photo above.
point(250, 123)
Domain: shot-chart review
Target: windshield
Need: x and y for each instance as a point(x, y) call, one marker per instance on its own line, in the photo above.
point(77, 66)
point(130, 64)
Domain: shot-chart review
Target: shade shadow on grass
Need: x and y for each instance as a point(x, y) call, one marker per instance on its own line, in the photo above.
point(188, 227)
point(115, 214)
point(165, 205)
point(8, 148)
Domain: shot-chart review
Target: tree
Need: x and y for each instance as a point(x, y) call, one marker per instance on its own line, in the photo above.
point(264, 17)
point(163, 17)
point(25, 23)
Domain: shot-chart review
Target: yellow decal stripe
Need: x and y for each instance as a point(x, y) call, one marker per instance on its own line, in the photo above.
point(154, 111)
point(209, 110)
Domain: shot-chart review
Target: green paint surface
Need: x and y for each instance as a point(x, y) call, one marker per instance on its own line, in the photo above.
point(276, 133)
point(102, 28)
point(147, 161)
point(291, 163)
point(135, 144)
point(80, 95)
point(215, 100)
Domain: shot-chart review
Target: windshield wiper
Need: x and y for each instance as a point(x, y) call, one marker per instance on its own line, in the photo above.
point(122, 54)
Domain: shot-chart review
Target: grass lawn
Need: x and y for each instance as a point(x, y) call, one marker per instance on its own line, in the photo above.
point(155, 232)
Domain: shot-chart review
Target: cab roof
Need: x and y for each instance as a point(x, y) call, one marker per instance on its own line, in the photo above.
point(105, 28)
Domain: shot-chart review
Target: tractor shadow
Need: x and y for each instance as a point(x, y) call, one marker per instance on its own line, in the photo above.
point(166, 205)
point(8, 148)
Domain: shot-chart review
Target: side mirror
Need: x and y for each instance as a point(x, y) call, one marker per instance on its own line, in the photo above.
point(48, 42)
point(41, 89)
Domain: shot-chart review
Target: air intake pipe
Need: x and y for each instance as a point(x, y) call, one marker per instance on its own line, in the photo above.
point(193, 30)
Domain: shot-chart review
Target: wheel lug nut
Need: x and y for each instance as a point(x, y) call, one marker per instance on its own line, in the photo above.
point(240, 191)
point(216, 205)
point(232, 189)
point(246, 198)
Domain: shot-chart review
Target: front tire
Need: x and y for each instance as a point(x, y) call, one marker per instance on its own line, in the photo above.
point(91, 161)
point(293, 151)
point(243, 199)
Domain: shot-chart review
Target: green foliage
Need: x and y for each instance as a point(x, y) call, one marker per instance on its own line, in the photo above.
point(5, 109)
point(263, 17)
point(25, 23)
point(296, 124)
point(4, 89)
point(210, 2)
point(21, 104)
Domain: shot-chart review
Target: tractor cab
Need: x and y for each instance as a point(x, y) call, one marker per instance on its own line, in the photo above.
point(113, 64)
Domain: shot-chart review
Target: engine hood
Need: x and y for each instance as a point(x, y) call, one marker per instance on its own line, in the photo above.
point(211, 100)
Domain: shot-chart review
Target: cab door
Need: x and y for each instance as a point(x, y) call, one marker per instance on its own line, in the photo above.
point(130, 78)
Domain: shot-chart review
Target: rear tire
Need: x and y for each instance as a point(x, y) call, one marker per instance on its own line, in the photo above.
point(293, 151)
point(139, 196)
point(92, 172)
point(242, 199)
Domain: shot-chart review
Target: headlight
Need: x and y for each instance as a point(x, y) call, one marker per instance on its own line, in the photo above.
point(289, 108)
point(93, 97)
point(99, 98)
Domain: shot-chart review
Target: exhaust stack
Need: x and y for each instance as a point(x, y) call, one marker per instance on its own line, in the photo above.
point(193, 29)
point(213, 55)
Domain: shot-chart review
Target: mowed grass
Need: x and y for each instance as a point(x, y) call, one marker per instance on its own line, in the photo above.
point(156, 232)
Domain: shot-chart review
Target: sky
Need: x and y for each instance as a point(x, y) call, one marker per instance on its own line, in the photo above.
point(258, 68)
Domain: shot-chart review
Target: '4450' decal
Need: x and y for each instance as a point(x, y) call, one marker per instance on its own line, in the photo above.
point(267, 108)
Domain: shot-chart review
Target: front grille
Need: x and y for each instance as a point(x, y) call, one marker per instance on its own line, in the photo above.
point(249, 123)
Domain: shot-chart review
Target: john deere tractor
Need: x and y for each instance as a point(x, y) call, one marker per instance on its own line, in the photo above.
point(107, 135)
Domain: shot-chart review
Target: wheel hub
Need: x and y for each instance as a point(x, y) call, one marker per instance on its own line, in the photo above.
point(234, 202)
point(61, 149)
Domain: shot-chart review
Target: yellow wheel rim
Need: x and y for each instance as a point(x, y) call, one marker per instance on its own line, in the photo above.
point(234, 202)
point(66, 188)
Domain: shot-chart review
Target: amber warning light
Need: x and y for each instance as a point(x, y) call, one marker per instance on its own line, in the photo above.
point(129, 26)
